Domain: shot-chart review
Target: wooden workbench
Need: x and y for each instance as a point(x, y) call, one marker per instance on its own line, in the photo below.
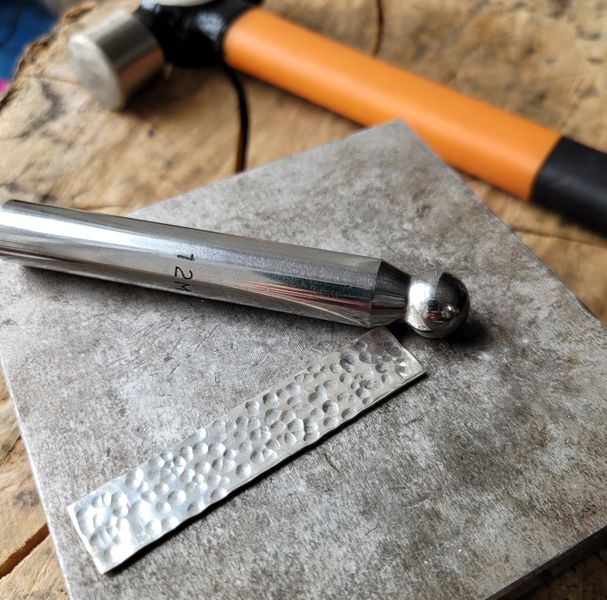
point(544, 61)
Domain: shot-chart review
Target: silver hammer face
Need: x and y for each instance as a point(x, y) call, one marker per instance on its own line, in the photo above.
point(116, 57)
point(113, 59)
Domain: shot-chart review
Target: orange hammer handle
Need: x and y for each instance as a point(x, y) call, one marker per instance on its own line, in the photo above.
point(489, 143)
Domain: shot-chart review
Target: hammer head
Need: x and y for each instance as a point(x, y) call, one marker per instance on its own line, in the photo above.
point(116, 57)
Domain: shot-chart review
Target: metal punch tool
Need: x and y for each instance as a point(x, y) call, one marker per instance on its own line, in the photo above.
point(346, 288)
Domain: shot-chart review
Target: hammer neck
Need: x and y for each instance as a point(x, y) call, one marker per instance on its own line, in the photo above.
point(191, 36)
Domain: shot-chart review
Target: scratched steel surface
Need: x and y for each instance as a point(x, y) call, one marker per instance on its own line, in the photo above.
point(141, 506)
point(468, 481)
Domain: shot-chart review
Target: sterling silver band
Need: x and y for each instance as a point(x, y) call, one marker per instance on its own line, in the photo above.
point(139, 507)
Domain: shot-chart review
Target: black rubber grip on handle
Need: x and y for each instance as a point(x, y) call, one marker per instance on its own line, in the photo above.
point(573, 182)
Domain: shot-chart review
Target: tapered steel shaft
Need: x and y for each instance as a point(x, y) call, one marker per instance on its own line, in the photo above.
point(335, 286)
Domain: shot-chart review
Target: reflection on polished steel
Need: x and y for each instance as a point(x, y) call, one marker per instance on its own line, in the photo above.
point(346, 288)
point(115, 57)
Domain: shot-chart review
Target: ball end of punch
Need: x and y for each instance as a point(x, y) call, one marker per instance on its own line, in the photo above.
point(438, 304)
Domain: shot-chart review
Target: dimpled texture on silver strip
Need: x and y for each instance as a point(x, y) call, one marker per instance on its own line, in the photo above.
point(139, 507)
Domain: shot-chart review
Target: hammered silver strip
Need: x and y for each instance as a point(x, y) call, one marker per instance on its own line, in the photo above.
point(139, 507)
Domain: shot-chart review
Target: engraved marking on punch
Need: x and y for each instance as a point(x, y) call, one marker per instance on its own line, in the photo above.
point(182, 277)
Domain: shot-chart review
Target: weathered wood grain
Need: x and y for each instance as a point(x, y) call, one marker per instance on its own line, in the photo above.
point(541, 59)
point(22, 521)
point(37, 576)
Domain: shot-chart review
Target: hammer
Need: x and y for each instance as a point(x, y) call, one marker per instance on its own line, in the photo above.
point(118, 56)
